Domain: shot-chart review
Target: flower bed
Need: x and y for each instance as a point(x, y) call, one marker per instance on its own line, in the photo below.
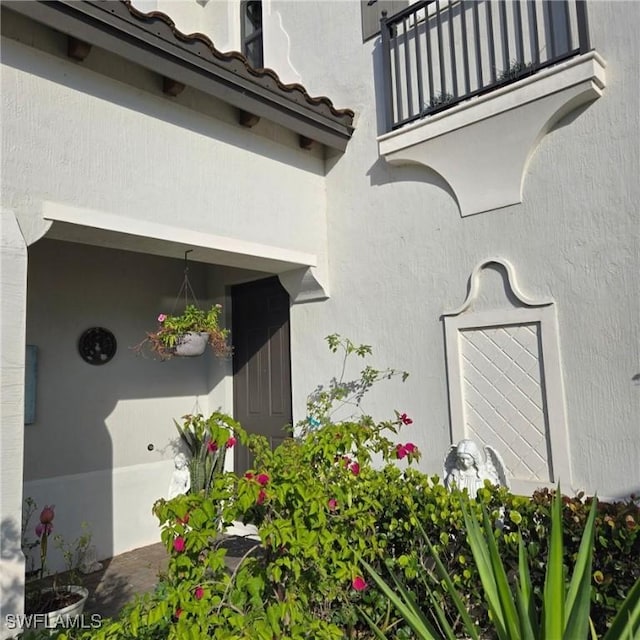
point(322, 507)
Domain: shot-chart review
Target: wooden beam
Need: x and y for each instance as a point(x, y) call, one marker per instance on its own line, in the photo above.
point(172, 87)
point(305, 143)
point(77, 49)
point(247, 119)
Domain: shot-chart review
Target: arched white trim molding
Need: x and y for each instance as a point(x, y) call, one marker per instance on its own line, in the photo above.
point(505, 381)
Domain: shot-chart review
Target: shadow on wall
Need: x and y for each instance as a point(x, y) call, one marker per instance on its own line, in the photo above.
point(192, 111)
point(10, 587)
point(381, 172)
point(88, 450)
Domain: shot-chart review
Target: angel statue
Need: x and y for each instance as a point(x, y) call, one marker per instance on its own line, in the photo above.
point(467, 466)
point(180, 479)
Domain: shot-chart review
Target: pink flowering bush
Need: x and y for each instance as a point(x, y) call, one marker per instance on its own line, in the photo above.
point(317, 500)
point(322, 507)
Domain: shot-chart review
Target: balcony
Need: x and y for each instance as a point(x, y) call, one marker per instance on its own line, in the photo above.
point(481, 69)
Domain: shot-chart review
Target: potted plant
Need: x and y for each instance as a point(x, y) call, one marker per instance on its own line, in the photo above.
point(187, 334)
point(59, 596)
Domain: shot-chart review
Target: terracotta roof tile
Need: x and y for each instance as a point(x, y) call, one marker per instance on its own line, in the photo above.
point(164, 27)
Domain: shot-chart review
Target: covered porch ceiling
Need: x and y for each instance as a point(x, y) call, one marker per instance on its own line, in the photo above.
point(296, 270)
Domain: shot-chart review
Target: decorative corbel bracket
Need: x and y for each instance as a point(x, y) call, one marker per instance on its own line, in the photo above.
point(303, 285)
point(482, 147)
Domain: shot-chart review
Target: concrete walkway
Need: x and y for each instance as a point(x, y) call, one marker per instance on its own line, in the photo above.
point(122, 578)
point(136, 572)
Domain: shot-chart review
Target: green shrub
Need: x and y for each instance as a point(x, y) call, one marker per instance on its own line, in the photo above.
point(565, 611)
point(322, 506)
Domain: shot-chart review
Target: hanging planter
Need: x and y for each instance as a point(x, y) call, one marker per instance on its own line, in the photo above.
point(189, 333)
point(192, 344)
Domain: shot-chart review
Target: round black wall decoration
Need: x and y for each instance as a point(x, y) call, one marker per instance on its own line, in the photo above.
point(97, 345)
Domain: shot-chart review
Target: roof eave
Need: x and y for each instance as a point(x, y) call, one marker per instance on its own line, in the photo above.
point(100, 24)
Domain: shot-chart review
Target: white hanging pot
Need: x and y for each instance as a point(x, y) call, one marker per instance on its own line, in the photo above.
point(192, 344)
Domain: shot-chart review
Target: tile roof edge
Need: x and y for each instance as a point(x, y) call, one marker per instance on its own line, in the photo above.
point(345, 116)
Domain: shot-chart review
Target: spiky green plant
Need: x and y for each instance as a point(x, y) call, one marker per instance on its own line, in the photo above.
point(208, 440)
point(514, 613)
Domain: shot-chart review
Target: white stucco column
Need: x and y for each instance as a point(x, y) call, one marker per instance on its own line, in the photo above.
point(13, 297)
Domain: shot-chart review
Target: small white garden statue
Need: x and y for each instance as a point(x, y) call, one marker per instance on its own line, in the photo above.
point(180, 479)
point(89, 563)
point(468, 465)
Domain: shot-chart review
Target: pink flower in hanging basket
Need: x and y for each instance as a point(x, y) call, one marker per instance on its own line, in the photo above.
point(162, 317)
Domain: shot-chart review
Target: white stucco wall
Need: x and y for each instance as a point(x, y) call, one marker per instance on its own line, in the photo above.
point(221, 21)
point(100, 138)
point(75, 138)
point(97, 144)
point(87, 451)
point(217, 19)
point(401, 255)
point(13, 277)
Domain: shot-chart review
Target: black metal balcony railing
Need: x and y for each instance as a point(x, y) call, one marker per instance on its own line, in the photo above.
point(437, 53)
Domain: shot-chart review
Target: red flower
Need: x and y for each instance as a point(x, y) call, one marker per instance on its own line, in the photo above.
point(184, 520)
point(230, 442)
point(248, 475)
point(332, 504)
point(359, 583)
point(178, 613)
point(47, 514)
point(198, 593)
point(262, 479)
point(261, 496)
point(354, 467)
point(178, 544)
point(403, 450)
point(406, 419)
point(212, 446)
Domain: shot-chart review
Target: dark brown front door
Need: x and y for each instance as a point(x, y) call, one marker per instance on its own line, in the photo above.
point(261, 362)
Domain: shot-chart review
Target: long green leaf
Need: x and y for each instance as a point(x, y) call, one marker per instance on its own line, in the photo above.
point(445, 627)
point(469, 627)
point(372, 625)
point(553, 595)
point(578, 603)
point(481, 555)
point(626, 624)
point(507, 605)
point(412, 615)
point(440, 614)
point(524, 596)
